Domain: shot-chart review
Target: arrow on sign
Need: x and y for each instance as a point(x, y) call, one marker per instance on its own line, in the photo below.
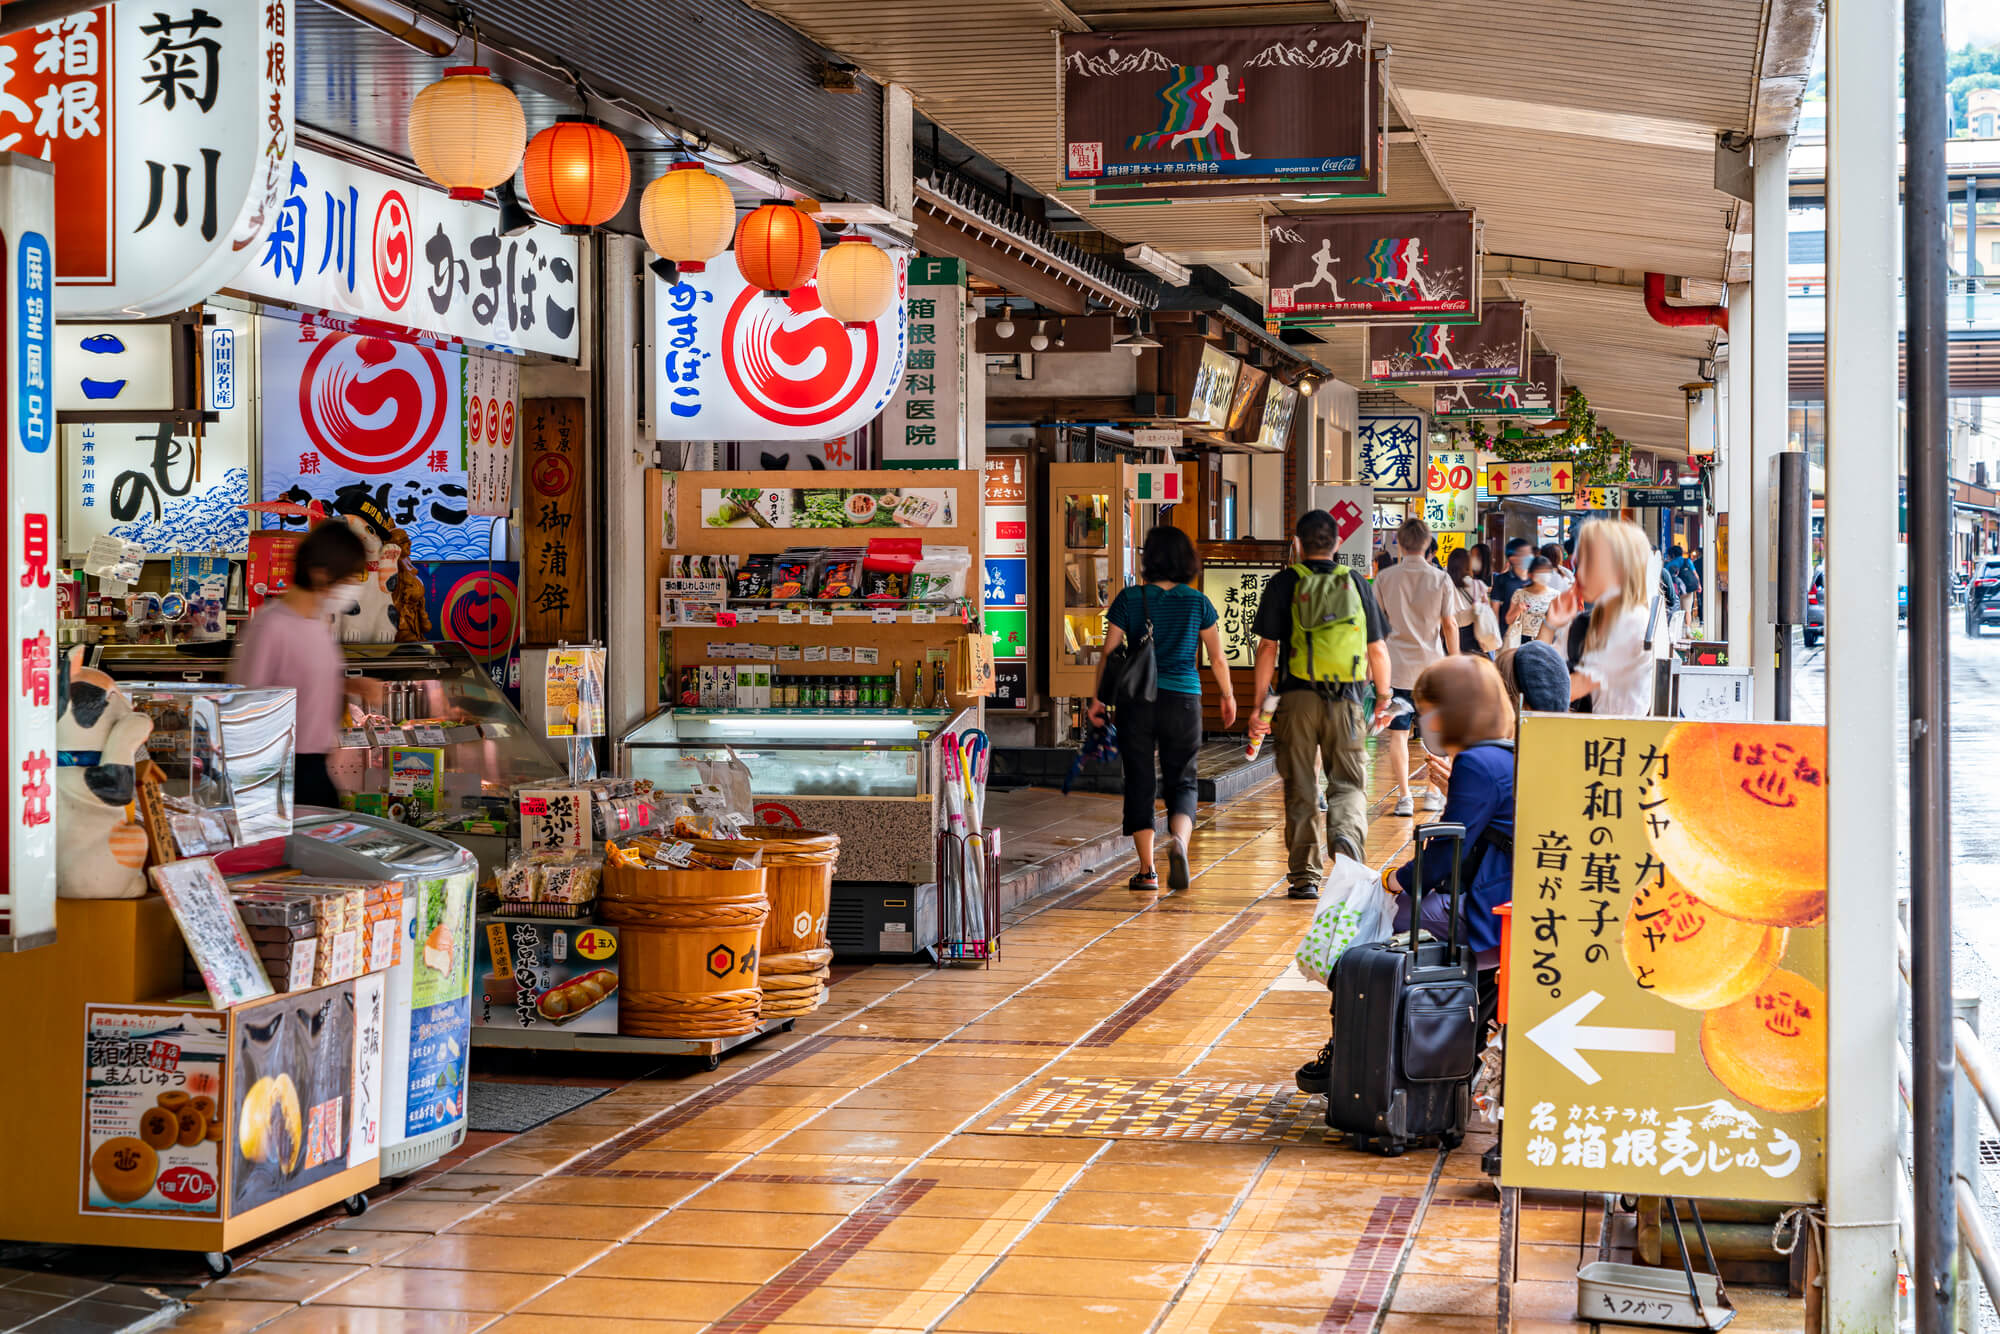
point(1562, 479)
point(1564, 1036)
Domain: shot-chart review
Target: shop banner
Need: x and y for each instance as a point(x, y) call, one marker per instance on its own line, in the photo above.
point(117, 367)
point(1006, 583)
point(924, 426)
point(27, 277)
point(1350, 508)
point(834, 507)
point(171, 125)
point(1008, 629)
point(1287, 100)
point(1213, 389)
point(166, 492)
point(1353, 267)
point(1448, 489)
point(1393, 446)
point(1539, 396)
point(431, 1059)
point(1010, 685)
point(477, 604)
point(292, 1073)
point(1496, 348)
point(490, 411)
point(1281, 407)
point(1667, 982)
point(1596, 498)
point(152, 1111)
point(1235, 590)
point(555, 534)
point(1529, 479)
point(730, 363)
point(1006, 479)
point(352, 420)
point(1448, 543)
point(358, 242)
point(370, 1031)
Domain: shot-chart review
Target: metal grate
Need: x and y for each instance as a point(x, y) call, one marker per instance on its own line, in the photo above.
point(1989, 1153)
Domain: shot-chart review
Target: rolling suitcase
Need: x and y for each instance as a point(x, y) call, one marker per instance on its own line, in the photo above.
point(1406, 1029)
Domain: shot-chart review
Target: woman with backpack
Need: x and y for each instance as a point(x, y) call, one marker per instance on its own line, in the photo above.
point(1164, 616)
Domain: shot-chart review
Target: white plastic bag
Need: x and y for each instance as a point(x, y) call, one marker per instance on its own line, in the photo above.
point(1353, 910)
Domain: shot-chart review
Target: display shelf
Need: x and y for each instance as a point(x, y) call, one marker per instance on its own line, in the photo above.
point(942, 615)
point(555, 1039)
point(452, 735)
point(934, 716)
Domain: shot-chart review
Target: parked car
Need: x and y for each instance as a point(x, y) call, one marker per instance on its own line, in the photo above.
point(1815, 626)
point(1982, 603)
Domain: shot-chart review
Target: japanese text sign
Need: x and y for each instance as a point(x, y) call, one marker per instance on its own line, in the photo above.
point(362, 243)
point(152, 1111)
point(1448, 491)
point(554, 536)
point(171, 125)
point(1597, 498)
point(27, 261)
point(116, 368)
point(924, 426)
point(1667, 975)
point(490, 410)
point(1529, 479)
point(1393, 446)
point(168, 493)
point(732, 363)
point(1350, 508)
point(1235, 590)
point(1332, 267)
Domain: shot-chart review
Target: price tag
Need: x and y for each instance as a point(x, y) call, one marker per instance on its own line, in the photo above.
point(788, 617)
point(596, 945)
point(867, 656)
point(815, 653)
point(840, 653)
point(746, 617)
point(391, 736)
point(354, 738)
point(883, 617)
point(429, 736)
point(725, 618)
point(534, 805)
point(818, 617)
point(788, 653)
point(922, 616)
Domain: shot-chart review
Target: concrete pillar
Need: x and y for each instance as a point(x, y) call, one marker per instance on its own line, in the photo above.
point(1738, 495)
point(1770, 393)
point(628, 452)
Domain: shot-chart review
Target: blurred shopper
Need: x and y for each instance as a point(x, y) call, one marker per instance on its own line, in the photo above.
point(1179, 617)
point(1383, 560)
point(1528, 614)
point(1615, 665)
point(1513, 576)
point(1687, 573)
point(1419, 602)
point(1468, 593)
point(1482, 563)
point(1558, 557)
point(1320, 635)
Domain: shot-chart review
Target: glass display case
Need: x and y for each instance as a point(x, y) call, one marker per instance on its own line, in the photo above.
point(1091, 515)
point(872, 776)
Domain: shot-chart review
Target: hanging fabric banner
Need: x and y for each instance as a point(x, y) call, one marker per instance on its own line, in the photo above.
point(1496, 348)
point(1540, 395)
point(1333, 268)
point(490, 413)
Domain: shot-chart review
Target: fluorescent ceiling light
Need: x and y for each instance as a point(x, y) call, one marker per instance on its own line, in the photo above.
point(1157, 264)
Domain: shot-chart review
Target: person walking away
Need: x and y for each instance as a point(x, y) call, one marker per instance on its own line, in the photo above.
point(1180, 618)
point(1527, 615)
point(290, 642)
point(1418, 601)
point(1688, 575)
point(1468, 593)
point(1513, 576)
point(1383, 560)
point(1465, 719)
point(1320, 634)
point(1615, 668)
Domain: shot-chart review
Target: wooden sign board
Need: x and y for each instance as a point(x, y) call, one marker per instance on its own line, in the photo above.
point(554, 529)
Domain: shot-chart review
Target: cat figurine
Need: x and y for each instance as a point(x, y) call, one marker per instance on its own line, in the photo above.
point(100, 738)
point(373, 618)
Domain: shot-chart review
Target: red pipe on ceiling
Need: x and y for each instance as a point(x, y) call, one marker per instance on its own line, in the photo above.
point(1680, 317)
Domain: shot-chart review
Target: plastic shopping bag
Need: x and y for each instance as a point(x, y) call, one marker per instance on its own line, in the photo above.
point(1353, 910)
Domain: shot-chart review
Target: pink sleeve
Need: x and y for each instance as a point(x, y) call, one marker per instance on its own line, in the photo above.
point(259, 656)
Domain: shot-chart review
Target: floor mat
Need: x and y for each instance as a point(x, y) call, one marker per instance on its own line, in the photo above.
point(1164, 1109)
point(512, 1108)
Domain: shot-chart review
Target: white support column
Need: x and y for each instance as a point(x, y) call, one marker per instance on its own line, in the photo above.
point(627, 451)
point(1739, 490)
point(1770, 392)
point(899, 187)
point(1862, 262)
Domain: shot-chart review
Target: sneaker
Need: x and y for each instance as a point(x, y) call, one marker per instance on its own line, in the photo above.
point(1315, 1076)
point(1433, 799)
point(1304, 890)
point(1177, 864)
point(1403, 806)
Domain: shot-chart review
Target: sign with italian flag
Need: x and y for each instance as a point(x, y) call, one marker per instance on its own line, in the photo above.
point(1159, 484)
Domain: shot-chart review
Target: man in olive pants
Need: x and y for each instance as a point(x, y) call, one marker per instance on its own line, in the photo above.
point(1320, 726)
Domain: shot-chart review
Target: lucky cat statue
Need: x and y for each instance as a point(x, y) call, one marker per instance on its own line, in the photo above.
point(101, 851)
point(373, 617)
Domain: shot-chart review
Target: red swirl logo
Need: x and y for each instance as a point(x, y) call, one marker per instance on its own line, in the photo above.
point(395, 264)
point(793, 364)
point(372, 405)
point(481, 612)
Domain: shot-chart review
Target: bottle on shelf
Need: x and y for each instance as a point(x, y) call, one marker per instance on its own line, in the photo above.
point(917, 699)
point(940, 698)
point(897, 700)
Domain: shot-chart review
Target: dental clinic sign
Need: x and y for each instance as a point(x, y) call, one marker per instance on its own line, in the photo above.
point(366, 244)
point(731, 363)
point(28, 597)
point(169, 124)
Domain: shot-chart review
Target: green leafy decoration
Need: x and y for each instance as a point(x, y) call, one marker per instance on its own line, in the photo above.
point(1599, 457)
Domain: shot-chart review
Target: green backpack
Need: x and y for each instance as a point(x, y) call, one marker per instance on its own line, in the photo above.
point(1329, 629)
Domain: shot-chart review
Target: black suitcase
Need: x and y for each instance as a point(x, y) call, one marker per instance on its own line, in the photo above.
point(1406, 1030)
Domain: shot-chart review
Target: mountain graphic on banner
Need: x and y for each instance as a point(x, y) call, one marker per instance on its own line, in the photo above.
point(1309, 56)
point(1148, 61)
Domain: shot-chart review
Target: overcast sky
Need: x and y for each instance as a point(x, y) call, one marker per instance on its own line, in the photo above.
point(1975, 21)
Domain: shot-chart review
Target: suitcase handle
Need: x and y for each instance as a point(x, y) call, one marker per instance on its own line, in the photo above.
point(1424, 837)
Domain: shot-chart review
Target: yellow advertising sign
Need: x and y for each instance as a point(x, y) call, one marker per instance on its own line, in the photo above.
point(1448, 543)
point(1597, 498)
point(1448, 490)
point(1529, 479)
point(1235, 591)
point(1667, 963)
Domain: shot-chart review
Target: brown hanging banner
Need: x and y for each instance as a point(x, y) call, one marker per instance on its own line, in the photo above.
point(1285, 100)
point(553, 534)
point(1539, 396)
point(1352, 268)
point(1496, 348)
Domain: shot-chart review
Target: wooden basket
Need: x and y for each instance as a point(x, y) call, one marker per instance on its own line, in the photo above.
point(689, 943)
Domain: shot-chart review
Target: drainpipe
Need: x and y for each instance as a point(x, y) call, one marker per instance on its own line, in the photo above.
point(1680, 317)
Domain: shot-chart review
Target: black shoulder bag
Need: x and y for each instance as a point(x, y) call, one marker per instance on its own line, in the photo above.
point(1130, 671)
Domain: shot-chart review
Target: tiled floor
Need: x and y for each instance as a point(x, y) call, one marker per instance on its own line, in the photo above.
point(1097, 1134)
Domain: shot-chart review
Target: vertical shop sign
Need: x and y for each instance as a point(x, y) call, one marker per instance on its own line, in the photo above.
point(370, 1011)
point(475, 603)
point(553, 538)
point(1236, 590)
point(28, 275)
point(430, 1061)
point(1005, 530)
point(152, 1111)
point(490, 412)
point(924, 426)
point(1668, 972)
point(171, 124)
point(1393, 447)
point(1350, 508)
point(1449, 481)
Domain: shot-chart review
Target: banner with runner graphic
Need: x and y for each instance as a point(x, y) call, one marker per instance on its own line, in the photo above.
point(352, 419)
point(1288, 100)
point(1349, 268)
point(732, 363)
point(1496, 348)
point(1540, 395)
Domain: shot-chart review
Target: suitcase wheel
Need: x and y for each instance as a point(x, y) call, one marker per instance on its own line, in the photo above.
point(1451, 1139)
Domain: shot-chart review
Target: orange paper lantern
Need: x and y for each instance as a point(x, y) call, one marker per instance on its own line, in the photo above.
point(467, 131)
point(857, 281)
point(577, 173)
point(777, 247)
point(687, 216)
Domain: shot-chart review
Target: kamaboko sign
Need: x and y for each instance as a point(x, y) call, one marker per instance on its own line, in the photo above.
point(169, 124)
point(730, 363)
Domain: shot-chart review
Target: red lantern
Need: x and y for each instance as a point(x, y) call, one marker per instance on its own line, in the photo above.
point(777, 247)
point(577, 173)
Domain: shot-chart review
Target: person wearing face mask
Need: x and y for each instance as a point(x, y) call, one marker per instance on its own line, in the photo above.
point(1513, 576)
point(1614, 665)
point(290, 643)
point(1527, 615)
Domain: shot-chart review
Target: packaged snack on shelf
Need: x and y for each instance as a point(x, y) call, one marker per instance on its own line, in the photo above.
point(886, 568)
point(792, 573)
point(940, 575)
point(839, 576)
point(752, 581)
point(571, 882)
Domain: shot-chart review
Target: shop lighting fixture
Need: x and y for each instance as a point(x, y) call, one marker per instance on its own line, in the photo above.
point(1005, 327)
point(777, 247)
point(1157, 264)
point(1039, 339)
point(857, 281)
point(687, 216)
point(577, 173)
point(1307, 384)
point(467, 131)
point(1141, 336)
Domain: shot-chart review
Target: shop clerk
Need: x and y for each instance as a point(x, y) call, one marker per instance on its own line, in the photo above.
point(290, 643)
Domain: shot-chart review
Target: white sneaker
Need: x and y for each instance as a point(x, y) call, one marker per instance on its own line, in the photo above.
point(1433, 799)
point(1403, 806)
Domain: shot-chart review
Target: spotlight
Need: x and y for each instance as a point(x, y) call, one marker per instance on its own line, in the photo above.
point(1039, 340)
point(666, 271)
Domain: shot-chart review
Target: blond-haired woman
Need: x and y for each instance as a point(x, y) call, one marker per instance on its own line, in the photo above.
point(1614, 579)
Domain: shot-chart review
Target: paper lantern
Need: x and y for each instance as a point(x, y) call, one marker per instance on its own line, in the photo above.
point(577, 173)
point(857, 281)
point(777, 247)
point(687, 216)
point(467, 132)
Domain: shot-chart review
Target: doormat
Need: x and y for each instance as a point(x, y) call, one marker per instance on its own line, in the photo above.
point(1118, 1108)
point(512, 1108)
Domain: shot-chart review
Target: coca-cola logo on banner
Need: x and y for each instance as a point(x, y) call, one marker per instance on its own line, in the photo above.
point(790, 362)
point(372, 405)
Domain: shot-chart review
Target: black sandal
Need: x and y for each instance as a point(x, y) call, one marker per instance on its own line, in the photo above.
point(1144, 882)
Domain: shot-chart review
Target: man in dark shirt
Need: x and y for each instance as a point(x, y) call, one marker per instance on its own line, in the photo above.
point(1319, 726)
point(1513, 576)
